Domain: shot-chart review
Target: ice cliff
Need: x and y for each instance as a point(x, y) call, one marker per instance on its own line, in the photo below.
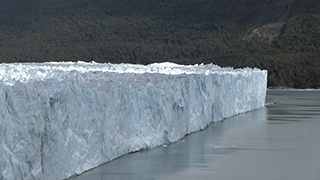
point(60, 119)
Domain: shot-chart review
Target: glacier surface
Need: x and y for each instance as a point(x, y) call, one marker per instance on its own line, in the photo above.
point(61, 119)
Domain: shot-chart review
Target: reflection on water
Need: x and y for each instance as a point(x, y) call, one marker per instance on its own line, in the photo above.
point(279, 141)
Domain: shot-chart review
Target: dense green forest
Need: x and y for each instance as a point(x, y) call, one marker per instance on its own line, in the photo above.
point(282, 36)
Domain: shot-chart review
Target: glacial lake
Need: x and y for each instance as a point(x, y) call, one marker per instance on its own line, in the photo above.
point(280, 141)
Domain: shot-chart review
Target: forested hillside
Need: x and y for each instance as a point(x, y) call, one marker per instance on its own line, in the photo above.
point(282, 36)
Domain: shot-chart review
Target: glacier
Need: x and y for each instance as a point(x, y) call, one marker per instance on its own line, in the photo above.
point(60, 119)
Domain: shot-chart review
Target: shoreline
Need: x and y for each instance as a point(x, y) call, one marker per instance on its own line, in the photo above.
point(290, 88)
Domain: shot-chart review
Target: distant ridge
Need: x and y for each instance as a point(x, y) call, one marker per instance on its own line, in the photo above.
point(282, 36)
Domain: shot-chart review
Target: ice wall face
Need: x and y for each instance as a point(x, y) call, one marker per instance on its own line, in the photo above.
point(60, 119)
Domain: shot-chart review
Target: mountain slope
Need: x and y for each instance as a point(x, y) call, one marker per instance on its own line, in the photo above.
point(280, 36)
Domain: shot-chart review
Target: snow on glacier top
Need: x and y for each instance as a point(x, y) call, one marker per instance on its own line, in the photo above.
point(28, 72)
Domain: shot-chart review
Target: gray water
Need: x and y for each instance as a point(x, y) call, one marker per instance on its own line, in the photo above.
point(280, 141)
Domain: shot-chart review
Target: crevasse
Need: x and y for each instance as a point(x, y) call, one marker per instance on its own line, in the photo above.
point(61, 119)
